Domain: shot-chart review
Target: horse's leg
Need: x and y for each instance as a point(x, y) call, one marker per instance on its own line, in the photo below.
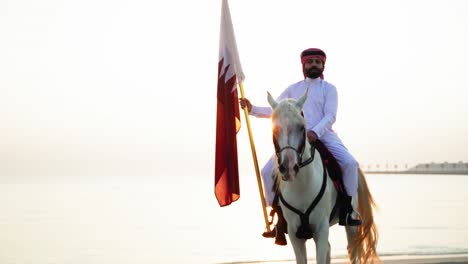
point(322, 246)
point(299, 246)
point(351, 236)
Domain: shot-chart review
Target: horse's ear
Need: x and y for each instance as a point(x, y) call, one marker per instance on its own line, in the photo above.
point(302, 100)
point(271, 101)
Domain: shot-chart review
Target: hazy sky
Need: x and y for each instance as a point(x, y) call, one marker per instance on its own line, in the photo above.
point(104, 87)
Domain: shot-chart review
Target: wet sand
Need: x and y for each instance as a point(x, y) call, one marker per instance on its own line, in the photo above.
point(399, 259)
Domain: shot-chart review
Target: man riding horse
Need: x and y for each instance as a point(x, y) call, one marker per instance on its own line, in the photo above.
point(319, 111)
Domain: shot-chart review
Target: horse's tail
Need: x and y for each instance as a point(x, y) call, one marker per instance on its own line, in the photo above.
point(367, 235)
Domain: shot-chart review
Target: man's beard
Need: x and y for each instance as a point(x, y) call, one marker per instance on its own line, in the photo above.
point(313, 72)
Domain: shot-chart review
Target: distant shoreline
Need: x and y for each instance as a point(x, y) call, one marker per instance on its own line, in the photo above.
point(417, 172)
point(459, 168)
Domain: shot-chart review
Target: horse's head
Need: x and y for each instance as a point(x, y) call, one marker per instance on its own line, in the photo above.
point(289, 135)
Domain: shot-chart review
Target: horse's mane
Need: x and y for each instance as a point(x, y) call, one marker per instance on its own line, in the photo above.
point(289, 109)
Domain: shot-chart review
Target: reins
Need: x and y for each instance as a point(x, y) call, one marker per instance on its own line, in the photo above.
point(301, 163)
point(310, 159)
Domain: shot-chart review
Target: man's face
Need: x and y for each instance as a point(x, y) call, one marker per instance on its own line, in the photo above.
point(313, 68)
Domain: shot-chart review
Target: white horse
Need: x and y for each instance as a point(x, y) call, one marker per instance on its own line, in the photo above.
point(308, 195)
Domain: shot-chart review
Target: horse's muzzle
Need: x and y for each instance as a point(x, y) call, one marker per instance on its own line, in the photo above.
point(288, 164)
point(286, 173)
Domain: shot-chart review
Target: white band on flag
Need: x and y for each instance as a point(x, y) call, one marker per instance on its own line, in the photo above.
point(228, 47)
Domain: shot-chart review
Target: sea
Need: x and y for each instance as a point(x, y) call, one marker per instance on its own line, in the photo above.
point(176, 219)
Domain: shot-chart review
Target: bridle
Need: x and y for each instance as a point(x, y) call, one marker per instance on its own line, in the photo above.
point(299, 154)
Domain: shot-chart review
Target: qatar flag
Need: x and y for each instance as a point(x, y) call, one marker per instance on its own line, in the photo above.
point(228, 117)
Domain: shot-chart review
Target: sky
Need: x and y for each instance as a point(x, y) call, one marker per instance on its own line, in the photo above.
point(129, 87)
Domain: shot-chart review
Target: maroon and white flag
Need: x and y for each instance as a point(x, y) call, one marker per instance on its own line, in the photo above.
point(228, 117)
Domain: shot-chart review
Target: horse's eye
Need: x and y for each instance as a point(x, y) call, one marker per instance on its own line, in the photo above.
point(302, 128)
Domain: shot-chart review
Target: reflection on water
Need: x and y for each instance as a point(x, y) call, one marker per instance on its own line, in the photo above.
point(177, 220)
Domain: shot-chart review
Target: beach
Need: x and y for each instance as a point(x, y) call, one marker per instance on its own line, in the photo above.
point(439, 259)
point(148, 220)
point(400, 259)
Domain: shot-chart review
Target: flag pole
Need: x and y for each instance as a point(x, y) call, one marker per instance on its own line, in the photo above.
point(254, 156)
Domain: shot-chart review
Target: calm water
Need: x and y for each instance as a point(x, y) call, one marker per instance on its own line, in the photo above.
point(177, 220)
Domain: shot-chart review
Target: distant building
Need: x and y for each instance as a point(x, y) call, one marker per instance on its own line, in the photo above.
point(422, 168)
point(440, 168)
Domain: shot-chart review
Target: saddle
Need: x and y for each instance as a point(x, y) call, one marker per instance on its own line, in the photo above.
point(333, 168)
point(336, 175)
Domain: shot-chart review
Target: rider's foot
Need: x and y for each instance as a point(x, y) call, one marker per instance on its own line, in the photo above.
point(270, 234)
point(348, 216)
point(280, 239)
point(348, 220)
point(278, 232)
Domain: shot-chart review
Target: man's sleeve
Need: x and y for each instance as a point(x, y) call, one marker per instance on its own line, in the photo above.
point(265, 112)
point(260, 111)
point(330, 108)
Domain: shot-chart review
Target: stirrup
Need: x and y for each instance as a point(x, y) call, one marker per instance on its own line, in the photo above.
point(270, 234)
point(349, 221)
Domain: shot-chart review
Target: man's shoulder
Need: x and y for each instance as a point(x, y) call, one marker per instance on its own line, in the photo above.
point(327, 83)
point(302, 83)
point(321, 82)
point(296, 84)
point(328, 87)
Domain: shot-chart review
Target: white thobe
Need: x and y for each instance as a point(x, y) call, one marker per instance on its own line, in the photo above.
point(320, 110)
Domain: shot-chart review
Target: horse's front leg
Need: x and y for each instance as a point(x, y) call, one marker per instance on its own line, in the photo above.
point(321, 244)
point(299, 246)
